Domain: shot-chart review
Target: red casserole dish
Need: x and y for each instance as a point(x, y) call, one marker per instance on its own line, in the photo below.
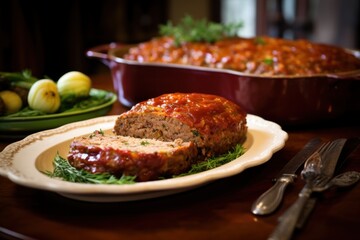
point(287, 100)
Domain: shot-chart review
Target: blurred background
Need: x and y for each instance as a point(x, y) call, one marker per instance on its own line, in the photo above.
point(51, 37)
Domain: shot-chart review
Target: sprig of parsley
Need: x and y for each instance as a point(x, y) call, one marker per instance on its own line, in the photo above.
point(190, 30)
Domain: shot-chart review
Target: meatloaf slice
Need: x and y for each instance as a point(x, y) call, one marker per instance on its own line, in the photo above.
point(147, 159)
point(213, 123)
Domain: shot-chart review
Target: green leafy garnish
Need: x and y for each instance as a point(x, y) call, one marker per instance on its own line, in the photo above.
point(63, 170)
point(144, 143)
point(190, 30)
point(22, 79)
point(96, 98)
point(96, 132)
point(25, 112)
point(268, 61)
point(215, 161)
point(195, 133)
point(260, 41)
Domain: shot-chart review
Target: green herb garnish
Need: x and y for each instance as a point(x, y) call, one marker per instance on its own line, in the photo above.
point(260, 41)
point(25, 112)
point(195, 133)
point(22, 79)
point(63, 170)
point(190, 30)
point(96, 132)
point(96, 98)
point(144, 143)
point(215, 161)
point(268, 61)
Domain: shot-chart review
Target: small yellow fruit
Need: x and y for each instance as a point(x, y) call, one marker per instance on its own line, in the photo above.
point(12, 101)
point(44, 96)
point(74, 84)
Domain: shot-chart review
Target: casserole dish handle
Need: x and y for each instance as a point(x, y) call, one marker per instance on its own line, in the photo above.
point(102, 52)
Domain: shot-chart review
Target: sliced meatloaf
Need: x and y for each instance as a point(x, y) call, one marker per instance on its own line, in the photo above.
point(213, 123)
point(147, 159)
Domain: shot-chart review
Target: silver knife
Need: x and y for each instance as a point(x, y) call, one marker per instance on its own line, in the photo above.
point(271, 199)
point(290, 218)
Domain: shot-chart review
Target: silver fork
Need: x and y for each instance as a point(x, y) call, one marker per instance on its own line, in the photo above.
point(314, 175)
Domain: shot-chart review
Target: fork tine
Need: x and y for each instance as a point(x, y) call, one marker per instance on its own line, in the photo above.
point(330, 146)
point(328, 161)
point(317, 154)
point(324, 147)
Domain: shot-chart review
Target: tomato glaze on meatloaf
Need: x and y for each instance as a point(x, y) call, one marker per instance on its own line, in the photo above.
point(215, 124)
point(147, 159)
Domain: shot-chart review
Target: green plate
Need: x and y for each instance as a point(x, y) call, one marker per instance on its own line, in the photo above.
point(18, 127)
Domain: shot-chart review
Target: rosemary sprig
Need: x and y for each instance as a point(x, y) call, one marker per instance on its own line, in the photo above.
point(190, 30)
point(63, 170)
point(215, 161)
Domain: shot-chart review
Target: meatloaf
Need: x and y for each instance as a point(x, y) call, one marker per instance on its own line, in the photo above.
point(259, 55)
point(147, 159)
point(213, 123)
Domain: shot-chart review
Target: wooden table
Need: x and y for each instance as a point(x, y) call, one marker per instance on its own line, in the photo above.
point(219, 210)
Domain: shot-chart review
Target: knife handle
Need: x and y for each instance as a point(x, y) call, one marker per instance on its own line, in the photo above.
point(289, 219)
point(271, 199)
